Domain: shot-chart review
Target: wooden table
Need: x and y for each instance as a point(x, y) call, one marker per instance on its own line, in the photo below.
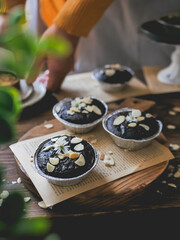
point(157, 205)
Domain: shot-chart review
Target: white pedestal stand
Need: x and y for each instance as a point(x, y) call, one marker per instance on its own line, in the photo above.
point(171, 74)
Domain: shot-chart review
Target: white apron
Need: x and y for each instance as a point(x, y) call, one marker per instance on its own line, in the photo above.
point(115, 38)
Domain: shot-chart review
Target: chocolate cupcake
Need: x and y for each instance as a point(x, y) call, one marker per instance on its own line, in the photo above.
point(114, 77)
point(80, 114)
point(131, 128)
point(65, 160)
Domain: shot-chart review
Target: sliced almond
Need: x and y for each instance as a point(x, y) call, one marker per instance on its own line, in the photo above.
point(49, 125)
point(54, 139)
point(27, 199)
point(47, 148)
point(76, 140)
point(87, 100)
point(42, 204)
point(170, 126)
point(174, 147)
point(68, 153)
point(50, 167)
point(146, 127)
point(139, 119)
point(85, 111)
point(148, 115)
point(172, 113)
point(176, 109)
point(110, 72)
point(177, 174)
point(96, 110)
point(54, 161)
point(73, 155)
point(74, 109)
point(132, 124)
point(89, 108)
point(61, 156)
point(136, 113)
point(108, 160)
point(80, 161)
point(172, 185)
point(79, 147)
point(119, 120)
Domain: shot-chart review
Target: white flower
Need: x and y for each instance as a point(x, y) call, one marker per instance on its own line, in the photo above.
point(76, 102)
point(60, 145)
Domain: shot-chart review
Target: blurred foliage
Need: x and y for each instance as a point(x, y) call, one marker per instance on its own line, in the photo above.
point(26, 47)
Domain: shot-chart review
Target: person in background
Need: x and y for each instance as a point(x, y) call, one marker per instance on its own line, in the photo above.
point(101, 32)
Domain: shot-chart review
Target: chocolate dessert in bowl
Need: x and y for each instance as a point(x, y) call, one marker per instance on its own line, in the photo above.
point(131, 128)
point(113, 77)
point(80, 114)
point(65, 160)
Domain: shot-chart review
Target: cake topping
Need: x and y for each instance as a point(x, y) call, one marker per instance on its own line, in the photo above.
point(119, 120)
point(133, 124)
point(96, 110)
point(148, 115)
point(139, 119)
point(110, 72)
point(54, 161)
point(80, 161)
point(76, 140)
point(146, 127)
point(79, 147)
point(50, 167)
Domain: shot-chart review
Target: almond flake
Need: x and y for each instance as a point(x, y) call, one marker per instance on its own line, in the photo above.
point(172, 185)
point(4, 194)
point(47, 148)
point(176, 109)
point(80, 161)
point(171, 126)
point(76, 140)
point(148, 115)
point(101, 156)
point(54, 161)
point(61, 156)
point(110, 72)
point(136, 113)
point(74, 109)
point(177, 174)
point(85, 111)
point(54, 139)
point(119, 120)
point(108, 161)
point(68, 153)
point(50, 167)
point(132, 125)
point(73, 155)
point(139, 119)
point(48, 126)
point(89, 108)
point(146, 127)
point(174, 147)
point(42, 204)
point(81, 105)
point(79, 147)
point(96, 110)
point(172, 113)
point(27, 199)
point(87, 100)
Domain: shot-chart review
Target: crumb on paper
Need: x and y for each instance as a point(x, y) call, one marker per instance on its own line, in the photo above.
point(49, 125)
point(27, 199)
point(42, 204)
point(108, 160)
point(174, 147)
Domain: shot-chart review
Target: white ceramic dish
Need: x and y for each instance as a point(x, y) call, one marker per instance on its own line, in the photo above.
point(25, 90)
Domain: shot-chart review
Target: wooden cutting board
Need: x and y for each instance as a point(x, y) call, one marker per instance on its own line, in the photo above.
point(109, 195)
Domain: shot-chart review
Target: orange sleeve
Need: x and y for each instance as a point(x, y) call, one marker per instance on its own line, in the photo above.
point(77, 17)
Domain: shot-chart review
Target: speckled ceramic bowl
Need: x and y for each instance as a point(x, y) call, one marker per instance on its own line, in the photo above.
point(78, 128)
point(130, 144)
point(64, 181)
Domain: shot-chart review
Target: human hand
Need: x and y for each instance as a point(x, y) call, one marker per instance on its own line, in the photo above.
point(58, 66)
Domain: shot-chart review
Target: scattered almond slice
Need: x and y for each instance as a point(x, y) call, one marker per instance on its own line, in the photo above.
point(86, 100)
point(174, 147)
point(80, 161)
point(108, 161)
point(119, 120)
point(74, 109)
point(176, 109)
point(54, 139)
point(47, 148)
point(73, 155)
point(172, 113)
point(76, 140)
point(172, 185)
point(50, 167)
point(79, 147)
point(96, 110)
point(4, 194)
point(139, 119)
point(170, 126)
point(146, 127)
point(132, 124)
point(110, 72)
point(54, 161)
point(81, 105)
point(85, 111)
point(148, 115)
point(70, 112)
point(101, 156)
point(42, 204)
point(177, 174)
point(61, 156)
point(89, 108)
point(136, 113)
point(48, 126)
point(27, 199)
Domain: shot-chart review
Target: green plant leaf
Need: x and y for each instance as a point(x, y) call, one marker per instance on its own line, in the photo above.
point(10, 211)
point(32, 227)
